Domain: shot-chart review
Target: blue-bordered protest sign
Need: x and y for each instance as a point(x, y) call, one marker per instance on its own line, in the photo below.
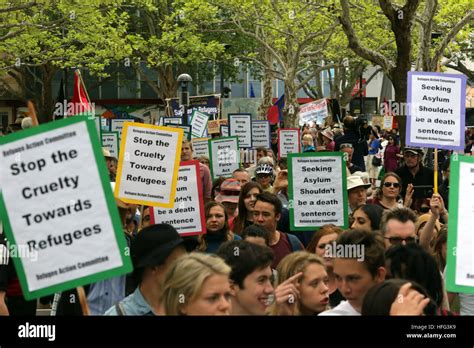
point(240, 125)
point(436, 110)
point(261, 134)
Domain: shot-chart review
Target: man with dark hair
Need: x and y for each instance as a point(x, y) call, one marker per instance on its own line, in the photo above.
point(152, 251)
point(251, 276)
point(413, 172)
point(359, 264)
point(267, 213)
point(398, 227)
point(352, 137)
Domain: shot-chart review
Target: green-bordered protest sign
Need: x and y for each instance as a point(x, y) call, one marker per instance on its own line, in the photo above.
point(110, 140)
point(224, 156)
point(317, 190)
point(199, 124)
point(460, 260)
point(58, 208)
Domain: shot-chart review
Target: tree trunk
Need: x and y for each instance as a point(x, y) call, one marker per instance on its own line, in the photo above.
point(291, 109)
point(45, 108)
point(399, 80)
point(266, 103)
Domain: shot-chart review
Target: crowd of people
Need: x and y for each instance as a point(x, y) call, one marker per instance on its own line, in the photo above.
point(249, 262)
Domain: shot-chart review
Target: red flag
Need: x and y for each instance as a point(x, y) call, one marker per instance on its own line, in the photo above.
point(275, 113)
point(80, 98)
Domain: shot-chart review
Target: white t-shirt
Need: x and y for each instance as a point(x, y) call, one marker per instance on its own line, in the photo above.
point(343, 308)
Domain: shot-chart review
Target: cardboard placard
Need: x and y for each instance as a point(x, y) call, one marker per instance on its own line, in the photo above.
point(436, 110)
point(317, 190)
point(187, 214)
point(116, 125)
point(224, 131)
point(199, 124)
point(387, 122)
point(200, 147)
point(315, 111)
point(57, 207)
point(110, 140)
point(187, 131)
point(460, 263)
point(213, 127)
point(224, 156)
point(261, 134)
point(240, 125)
point(171, 120)
point(288, 142)
point(148, 165)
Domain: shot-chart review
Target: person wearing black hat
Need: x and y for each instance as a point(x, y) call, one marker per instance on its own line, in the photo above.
point(152, 252)
point(413, 172)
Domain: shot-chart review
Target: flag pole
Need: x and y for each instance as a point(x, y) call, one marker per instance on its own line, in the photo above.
point(78, 72)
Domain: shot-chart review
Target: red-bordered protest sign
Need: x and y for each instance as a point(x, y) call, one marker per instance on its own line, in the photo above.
point(187, 214)
point(288, 141)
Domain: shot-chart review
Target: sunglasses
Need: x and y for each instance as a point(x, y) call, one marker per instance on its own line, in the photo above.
point(399, 240)
point(345, 146)
point(390, 184)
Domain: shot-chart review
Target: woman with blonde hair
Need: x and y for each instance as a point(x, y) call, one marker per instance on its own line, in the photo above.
point(197, 284)
point(308, 294)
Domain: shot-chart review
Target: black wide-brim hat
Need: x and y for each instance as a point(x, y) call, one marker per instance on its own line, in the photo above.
point(155, 243)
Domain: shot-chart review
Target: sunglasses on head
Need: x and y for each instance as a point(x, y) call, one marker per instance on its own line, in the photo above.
point(390, 184)
point(399, 240)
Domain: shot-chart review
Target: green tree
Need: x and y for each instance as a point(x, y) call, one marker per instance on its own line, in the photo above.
point(288, 32)
point(400, 21)
point(63, 34)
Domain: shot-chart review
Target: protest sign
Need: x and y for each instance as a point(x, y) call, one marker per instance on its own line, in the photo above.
point(58, 209)
point(171, 120)
point(288, 141)
point(224, 156)
point(187, 131)
point(460, 263)
point(387, 122)
point(208, 104)
point(187, 214)
point(317, 190)
point(200, 147)
point(116, 125)
point(104, 124)
point(98, 126)
point(214, 127)
point(148, 164)
point(261, 135)
point(224, 131)
point(436, 110)
point(315, 111)
point(240, 125)
point(198, 124)
point(110, 140)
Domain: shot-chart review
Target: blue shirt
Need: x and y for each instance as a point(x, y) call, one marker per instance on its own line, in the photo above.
point(374, 147)
point(133, 304)
point(105, 293)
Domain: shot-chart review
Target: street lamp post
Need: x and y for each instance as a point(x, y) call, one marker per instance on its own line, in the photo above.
point(224, 92)
point(184, 80)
